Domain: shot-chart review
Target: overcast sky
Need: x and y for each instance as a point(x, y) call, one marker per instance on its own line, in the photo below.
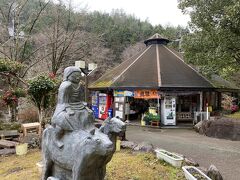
point(162, 12)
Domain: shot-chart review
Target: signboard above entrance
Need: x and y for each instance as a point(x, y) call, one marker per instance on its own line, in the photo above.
point(146, 94)
point(120, 93)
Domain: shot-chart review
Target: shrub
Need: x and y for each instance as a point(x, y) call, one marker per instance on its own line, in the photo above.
point(42, 91)
point(150, 117)
point(10, 97)
point(10, 66)
point(10, 126)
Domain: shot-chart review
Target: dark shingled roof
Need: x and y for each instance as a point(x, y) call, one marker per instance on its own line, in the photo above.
point(158, 66)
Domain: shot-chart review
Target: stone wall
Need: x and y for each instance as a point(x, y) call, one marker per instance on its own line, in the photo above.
point(223, 128)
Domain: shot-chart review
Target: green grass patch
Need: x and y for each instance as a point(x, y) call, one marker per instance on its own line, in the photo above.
point(124, 165)
point(235, 115)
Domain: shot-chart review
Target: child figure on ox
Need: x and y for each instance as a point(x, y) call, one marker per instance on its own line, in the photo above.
point(71, 114)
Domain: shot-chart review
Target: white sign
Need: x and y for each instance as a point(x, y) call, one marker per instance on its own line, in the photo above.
point(119, 114)
point(80, 64)
point(92, 66)
point(129, 93)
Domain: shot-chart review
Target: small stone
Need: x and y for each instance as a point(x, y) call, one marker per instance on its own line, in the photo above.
point(128, 144)
point(214, 173)
point(144, 146)
point(190, 162)
point(198, 126)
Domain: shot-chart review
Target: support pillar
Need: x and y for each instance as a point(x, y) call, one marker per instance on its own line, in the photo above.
point(200, 101)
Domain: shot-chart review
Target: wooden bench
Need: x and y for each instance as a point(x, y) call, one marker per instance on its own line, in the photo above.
point(184, 116)
point(28, 126)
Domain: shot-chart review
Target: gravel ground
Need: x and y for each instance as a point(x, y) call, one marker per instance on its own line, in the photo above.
point(224, 154)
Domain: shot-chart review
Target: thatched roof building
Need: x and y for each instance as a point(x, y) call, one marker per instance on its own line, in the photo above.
point(157, 67)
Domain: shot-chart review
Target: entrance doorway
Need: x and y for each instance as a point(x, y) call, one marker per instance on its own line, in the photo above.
point(186, 106)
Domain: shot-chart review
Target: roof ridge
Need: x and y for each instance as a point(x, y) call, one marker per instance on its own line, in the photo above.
point(131, 64)
point(188, 65)
point(158, 67)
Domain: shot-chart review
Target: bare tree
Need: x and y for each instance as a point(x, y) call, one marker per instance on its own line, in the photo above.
point(17, 26)
point(65, 38)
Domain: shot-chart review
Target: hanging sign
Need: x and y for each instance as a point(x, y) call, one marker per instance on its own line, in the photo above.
point(146, 94)
point(118, 93)
point(121, 93)
point(129, 93)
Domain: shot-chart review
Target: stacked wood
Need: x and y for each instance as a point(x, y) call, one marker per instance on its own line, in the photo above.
point(6, 146)
point(7, 151)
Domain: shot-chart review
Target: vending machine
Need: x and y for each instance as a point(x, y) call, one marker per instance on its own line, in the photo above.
point(95, 104)
point(168, 110)
point(105, 102)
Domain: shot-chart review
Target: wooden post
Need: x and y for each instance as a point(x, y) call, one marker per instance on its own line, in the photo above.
point(158, 106)
point(207, 110)
point(201, 101)
point(219, 101)
point(86, 88)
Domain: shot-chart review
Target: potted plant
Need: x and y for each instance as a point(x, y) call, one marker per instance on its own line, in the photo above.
point(147, 119)
point(171, 158)
point(151, 117)
point(193, 173)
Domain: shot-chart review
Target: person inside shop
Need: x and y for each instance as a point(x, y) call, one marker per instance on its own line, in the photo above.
point(142, 107)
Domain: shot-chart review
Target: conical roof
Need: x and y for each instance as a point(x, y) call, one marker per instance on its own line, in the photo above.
point(156, 39)
point(156, 67)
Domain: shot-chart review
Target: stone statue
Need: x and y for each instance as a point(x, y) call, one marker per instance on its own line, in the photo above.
point(70, 113)
point(73, 149)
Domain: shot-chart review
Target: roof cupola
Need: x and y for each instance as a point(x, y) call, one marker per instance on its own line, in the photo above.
point(156, 39)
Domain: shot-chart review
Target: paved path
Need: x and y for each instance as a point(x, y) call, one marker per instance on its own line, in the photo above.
point(224, 154)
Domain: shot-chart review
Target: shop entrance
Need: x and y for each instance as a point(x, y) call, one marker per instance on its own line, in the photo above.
point(186, 106)
point(147, 110)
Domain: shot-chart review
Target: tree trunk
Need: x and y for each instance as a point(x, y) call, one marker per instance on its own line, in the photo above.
point(13, 113)
point(9, 111)
point(41, 113)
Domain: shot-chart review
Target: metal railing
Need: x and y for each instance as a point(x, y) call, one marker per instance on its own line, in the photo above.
point(199, 116)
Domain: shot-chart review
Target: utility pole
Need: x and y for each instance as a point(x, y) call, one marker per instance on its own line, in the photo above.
point(86, 69)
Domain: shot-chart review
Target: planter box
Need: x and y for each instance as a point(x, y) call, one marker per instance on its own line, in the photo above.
point(189, 176)
point(169, 157)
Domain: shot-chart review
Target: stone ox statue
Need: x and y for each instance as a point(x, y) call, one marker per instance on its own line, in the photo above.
point(73, 149)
